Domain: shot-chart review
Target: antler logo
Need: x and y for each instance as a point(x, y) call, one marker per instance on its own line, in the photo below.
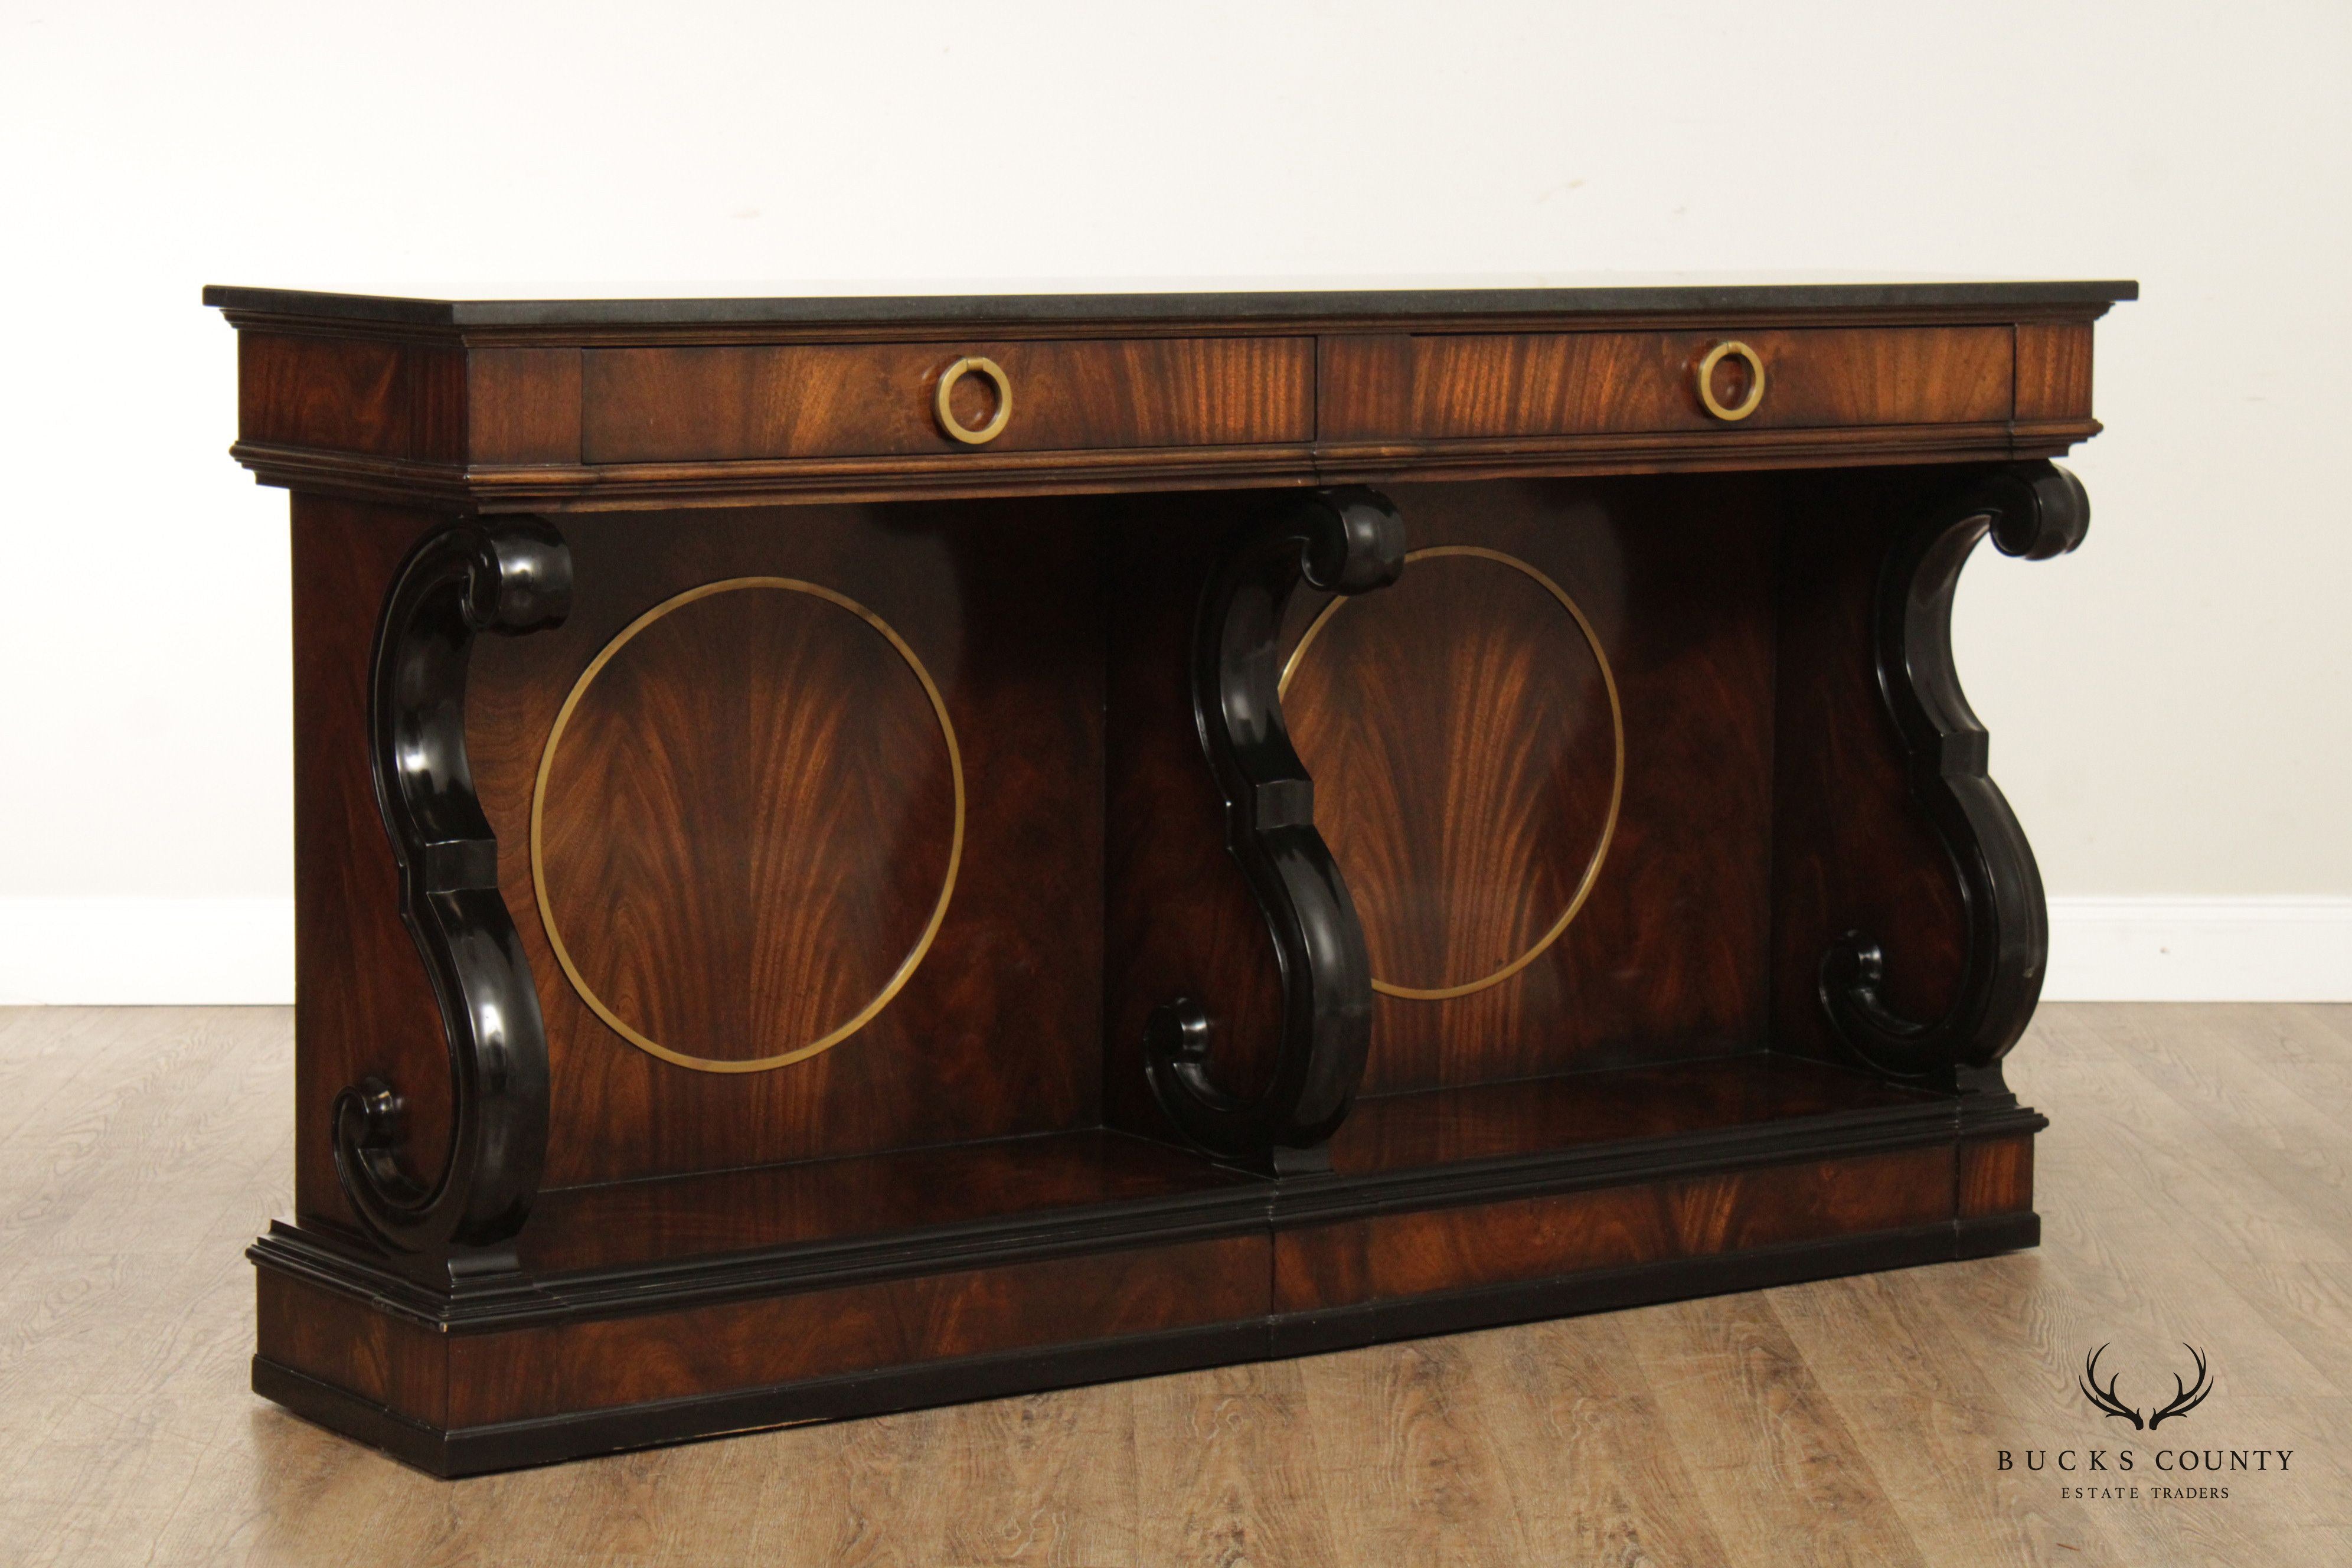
point(2186, 1397)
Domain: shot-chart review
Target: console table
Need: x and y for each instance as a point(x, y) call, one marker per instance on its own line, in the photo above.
point(858, 853)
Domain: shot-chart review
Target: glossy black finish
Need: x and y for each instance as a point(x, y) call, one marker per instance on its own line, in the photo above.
point(1211, 305)
point(1344, 542)
point(2036, 510)
point(459, 581)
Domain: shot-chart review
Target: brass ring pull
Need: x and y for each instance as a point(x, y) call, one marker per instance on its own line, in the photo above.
point(1747, 406)
point(957, 428)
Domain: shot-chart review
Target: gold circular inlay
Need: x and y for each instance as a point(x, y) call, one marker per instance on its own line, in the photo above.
point(1716, 356)
point(539, 813)
point(957, 428)
point(1616, 783)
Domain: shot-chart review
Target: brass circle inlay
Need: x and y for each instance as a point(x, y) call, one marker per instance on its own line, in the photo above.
point(1617, 776)
point(907, 967)
point(1746, 405)
point(945, 411)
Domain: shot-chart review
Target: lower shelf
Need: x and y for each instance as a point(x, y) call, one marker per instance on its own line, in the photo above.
point(654, 1312)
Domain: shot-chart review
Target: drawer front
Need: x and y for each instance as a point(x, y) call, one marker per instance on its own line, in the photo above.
point(1401, 387)
point(862, 400)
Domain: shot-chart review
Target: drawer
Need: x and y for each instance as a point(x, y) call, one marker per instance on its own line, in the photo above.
point(862, 400)
point(1397, 386)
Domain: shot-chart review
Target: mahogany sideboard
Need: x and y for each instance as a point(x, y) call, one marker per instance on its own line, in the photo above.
point(858, 853)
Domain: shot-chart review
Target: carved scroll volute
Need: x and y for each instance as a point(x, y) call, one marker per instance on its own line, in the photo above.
point(1345, 542)
point(2036, 511)
point(509, 576)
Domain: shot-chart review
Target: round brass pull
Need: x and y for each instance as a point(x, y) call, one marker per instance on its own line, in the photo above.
point(972, 365)
point(1716, 356)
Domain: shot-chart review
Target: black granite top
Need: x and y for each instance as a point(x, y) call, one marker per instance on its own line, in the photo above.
point(1614, 299)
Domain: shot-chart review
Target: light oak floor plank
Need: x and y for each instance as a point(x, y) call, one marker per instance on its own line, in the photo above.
point(2196, 1184)
point(1228, 1470)
point(1782, 1477)
point(1593, 1469)
point(1411, 1468)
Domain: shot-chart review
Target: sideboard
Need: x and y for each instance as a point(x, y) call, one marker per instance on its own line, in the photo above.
point(859, 853)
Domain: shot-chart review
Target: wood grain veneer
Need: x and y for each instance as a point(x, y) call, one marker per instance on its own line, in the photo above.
point(1400, 1255)
point(770, 751)
point(997, 1031)
point(1996, 1176)
point(339, 1339)
point(523, 406)
point(1471, 823)
point(875, 399)
point(2054, 371)
point(1463, 387)
point(1458, 728)
point(627, 1360)
point(352, 395)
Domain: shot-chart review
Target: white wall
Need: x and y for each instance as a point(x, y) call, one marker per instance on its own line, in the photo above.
point(2167, 707)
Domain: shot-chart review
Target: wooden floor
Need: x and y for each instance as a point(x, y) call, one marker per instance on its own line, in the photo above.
point(2196, 1185)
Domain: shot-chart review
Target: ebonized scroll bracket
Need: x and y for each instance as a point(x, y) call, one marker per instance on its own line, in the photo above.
point(2036, 511)
point(512, 576)
point(1347, 541)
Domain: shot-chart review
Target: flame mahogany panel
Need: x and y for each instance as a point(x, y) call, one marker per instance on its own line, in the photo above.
point(2054, 371)
point(388, 399)
point(791, 819)
point(677, 404)
point(997, 1032)
point(1476, 834)
point(1398, 1256)
point(890, 1324)
point(1458, 387)
point(341, 1339)
point(523, 406)
point(1458, 733)
point(469, 1380)
point(1996, 1176)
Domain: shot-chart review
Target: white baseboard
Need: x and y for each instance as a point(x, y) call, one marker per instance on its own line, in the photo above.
point(117, 952)
point(143, 951)
point(2201, 950)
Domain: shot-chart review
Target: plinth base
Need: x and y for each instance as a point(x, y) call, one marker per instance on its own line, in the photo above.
point(643, 1313)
